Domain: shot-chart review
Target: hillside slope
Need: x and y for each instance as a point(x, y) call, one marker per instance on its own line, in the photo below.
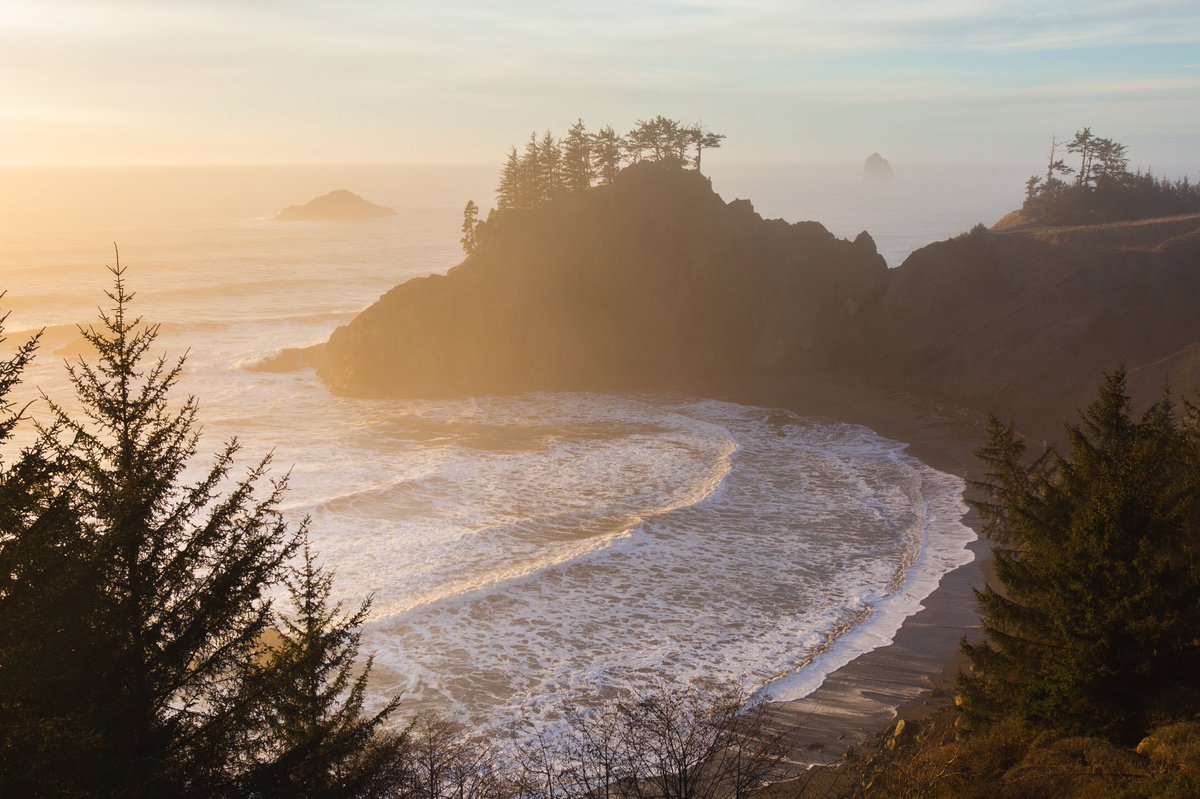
point(1023, 323)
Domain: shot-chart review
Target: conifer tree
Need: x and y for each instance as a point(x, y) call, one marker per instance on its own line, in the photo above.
point(607, 149)
point(550, 168)
point(181, 569)
point(508, 193)
point(704, 140)
point(319, 743)
point(133, 602)
point(470, 225)
point(1093, 627)
point(533, 188)
point(577, 168)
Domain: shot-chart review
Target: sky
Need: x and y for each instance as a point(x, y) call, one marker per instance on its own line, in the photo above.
point(431, 81)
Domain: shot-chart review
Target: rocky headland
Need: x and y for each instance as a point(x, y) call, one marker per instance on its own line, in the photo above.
point(655, 282)
point(651, 282)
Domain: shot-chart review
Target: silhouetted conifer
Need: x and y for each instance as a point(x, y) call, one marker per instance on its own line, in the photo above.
point(318, 741)
point(704, 140)
point(133, 602)
point(46, 644)
point(469, 240)
point(577, 167)
point(607, 152)
point(508, 193)
point(1092, 628)
point(550, 168)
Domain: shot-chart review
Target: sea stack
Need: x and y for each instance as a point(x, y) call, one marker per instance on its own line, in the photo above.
point(336, 206)
point(876, 167)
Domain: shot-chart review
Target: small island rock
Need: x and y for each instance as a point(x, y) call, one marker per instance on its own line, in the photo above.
point(335, 206)
point(876, 167)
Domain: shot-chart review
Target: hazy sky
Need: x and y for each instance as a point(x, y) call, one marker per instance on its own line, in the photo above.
point(331, 81)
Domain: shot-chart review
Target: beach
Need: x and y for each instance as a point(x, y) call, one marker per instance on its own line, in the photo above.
point(916, 671)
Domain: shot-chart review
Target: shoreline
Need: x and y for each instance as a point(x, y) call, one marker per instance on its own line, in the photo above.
point(908, 677)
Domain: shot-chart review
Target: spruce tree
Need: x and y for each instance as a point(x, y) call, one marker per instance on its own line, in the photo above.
point(319, 743)
point(133, 603)
point(508, 192)
point(470, 226)
point(532, 183)
point(577, 158)
point(1092, 628)
point(550, 168)
point(182, 569)
point(607, 150)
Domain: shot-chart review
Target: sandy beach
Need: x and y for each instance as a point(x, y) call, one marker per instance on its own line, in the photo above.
point(917, 669)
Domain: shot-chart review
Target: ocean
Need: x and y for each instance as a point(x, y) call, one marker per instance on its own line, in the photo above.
point(522, 552)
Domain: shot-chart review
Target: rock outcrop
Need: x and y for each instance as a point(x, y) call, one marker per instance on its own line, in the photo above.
point(876, 167)
point(651, 282)
point(655, 282)
point(336, 206)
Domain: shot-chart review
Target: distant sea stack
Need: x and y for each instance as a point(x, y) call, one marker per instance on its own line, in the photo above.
point(650, 282)
point(876, 167)
point(336, 206)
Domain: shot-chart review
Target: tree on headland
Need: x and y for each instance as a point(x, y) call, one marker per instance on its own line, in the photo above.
point(549, 168)
point(704, 140)
point(1104, 190)
point(508, 193)
point(1093, 627)
point(577, 168)
point(550, 172)
point(470, 225)
point(137, 673)
point(607, 149)
point(658, 139)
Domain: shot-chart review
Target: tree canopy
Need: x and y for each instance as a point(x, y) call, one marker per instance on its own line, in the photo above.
point(134, 604)
point(1092, 628)
point(1103, 189)
point(551, 167)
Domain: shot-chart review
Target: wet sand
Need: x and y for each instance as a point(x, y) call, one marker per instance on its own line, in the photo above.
point(917, 670)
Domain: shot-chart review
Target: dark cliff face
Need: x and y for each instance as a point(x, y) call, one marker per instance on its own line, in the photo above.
point(1023, 324)
point(651, 282)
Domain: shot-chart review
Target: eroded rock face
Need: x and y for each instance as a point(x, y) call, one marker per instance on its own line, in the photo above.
point(336, 206)
point(651, 282)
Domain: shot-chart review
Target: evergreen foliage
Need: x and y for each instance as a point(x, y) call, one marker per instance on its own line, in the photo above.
point(133, 601)
point(578, 171)
point(607, 151)
point(318, 741)
point(470, 226)
point(550, 168)
point(1093, 628)
point(1104, 190)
